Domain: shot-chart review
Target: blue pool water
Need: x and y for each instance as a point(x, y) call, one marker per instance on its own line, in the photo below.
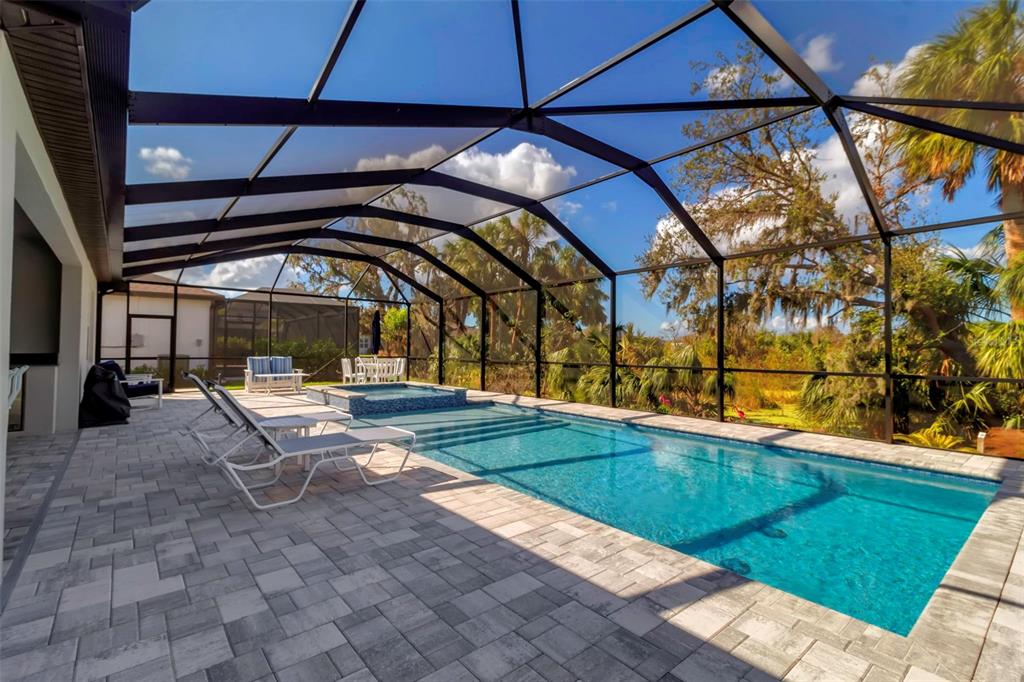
point(393, 391)
point(867, 540)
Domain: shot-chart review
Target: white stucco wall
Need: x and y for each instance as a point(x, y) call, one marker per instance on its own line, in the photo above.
point(27, 175)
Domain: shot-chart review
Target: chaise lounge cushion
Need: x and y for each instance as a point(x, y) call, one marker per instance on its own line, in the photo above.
point(280, 364)
point(258, 364)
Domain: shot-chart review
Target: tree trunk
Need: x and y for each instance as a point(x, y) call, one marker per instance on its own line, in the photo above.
point(1013, 233)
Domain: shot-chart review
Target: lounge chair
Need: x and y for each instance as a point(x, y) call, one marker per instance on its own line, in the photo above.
point(331, 448)
point(237, 418)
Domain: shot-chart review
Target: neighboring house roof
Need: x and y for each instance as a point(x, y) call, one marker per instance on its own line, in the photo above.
point(157, 286)
point(290, 295)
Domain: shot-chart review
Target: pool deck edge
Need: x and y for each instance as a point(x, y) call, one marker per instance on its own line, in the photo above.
point(973, 626)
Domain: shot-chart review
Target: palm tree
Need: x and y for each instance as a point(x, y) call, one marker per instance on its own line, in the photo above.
point(981, 59)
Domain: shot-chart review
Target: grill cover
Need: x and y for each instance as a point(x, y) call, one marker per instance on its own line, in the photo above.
point(103, 401)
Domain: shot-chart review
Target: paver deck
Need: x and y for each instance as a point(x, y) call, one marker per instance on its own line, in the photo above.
point(148, 566)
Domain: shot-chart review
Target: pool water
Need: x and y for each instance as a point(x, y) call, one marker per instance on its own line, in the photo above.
point(393, 391)
point(871, 541)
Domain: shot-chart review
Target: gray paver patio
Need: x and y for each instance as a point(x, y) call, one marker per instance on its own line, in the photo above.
point(148, 566)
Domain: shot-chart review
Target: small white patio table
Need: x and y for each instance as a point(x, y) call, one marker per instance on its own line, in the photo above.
point(300, 425)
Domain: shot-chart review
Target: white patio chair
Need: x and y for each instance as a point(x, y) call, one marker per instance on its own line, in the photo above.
point(332, 448)
point(350, 376)
point(400, 370)
point(15, 376)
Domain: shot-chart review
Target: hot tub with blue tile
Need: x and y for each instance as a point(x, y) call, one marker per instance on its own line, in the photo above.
point(365, 399)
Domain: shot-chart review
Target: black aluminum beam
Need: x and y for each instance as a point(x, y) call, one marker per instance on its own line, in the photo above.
point(581, 141)
point(574, 138)
point(415, 249)
point(934, 103)
point(517, 28)
point(382, 264)
point(614, 61)
point(212, 259)
point(663, 107)
point(936, 127)
point(159, 192)
point(161, 252)
point(283, 250)
point(347, 26)
point(212, 225)
point(758, 29)
point(530, 205)
point(838, 121)
point(654, 181)
point(155, 108)
point(165, 230)
point(750, 20)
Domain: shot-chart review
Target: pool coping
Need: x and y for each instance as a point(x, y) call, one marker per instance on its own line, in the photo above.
point(973, 624)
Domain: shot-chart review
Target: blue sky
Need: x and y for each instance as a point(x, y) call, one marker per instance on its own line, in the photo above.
point(465, 52)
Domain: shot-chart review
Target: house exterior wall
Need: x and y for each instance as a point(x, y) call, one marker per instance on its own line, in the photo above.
point(52, 393)
point(151, 338)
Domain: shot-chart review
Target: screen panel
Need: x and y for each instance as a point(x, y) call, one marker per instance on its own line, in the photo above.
point(525, 164)
point(811, 309)
point(716, 61)
point(786, 184)
point(535, 246)
point(476, 65)
point(222, 48)
point(343, 149)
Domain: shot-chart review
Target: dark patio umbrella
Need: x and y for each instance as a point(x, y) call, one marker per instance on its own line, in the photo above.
point(375, 333)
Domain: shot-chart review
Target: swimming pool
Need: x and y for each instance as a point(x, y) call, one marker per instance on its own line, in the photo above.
point(392, 391)
point(368, 399)
point(868, 540)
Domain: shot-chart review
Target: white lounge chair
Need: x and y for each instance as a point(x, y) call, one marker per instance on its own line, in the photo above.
point(332, 448)
point(236, 417)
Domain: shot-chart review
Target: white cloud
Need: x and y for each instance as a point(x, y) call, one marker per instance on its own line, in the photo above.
point(166, 162)
point(424, 158)
point(830, 158)
point(882, 78)
point(567, 207)
point(249, 273)
point(526, 169)
point(817, 55)
point(610, 206)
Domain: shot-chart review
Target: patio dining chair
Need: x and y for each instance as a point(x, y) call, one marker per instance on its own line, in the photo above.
point(15, 377)
point(332, 448)
point(350, 376)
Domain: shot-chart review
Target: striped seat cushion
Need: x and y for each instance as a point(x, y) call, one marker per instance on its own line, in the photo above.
point(258, 364)
point(281, 364)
